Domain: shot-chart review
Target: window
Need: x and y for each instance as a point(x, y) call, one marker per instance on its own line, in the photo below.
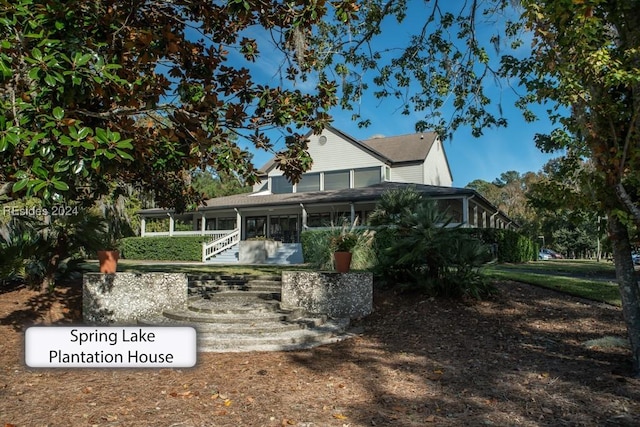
point(309, 182)
point(280, 185)
point(366, 177)
point(226, 223)
point(319, 220)
point(338, 180)
point(256, 226)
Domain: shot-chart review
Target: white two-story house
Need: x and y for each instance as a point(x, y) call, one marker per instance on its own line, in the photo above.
point(348, 176)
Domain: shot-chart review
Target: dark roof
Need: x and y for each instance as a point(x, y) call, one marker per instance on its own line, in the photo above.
point(403, 148)
point(372, 193)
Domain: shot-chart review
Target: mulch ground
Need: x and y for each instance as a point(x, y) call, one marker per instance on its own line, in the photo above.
point(516, 360)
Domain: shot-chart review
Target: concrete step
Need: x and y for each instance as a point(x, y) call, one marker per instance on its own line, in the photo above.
point(254, 326)
point(205, 285)
point(222, 286)
point(242, 313)
point(233, 305)
point(330, 332)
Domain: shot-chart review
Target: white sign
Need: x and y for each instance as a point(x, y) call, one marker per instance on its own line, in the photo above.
point(110, 347)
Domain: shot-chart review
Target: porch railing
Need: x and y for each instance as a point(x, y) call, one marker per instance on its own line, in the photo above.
point(212, 233)
point(222, 241)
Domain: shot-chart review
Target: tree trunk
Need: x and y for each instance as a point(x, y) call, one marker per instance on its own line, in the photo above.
point(628, 285)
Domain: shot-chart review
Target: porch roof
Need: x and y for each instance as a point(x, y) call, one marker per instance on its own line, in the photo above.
point(364, 194)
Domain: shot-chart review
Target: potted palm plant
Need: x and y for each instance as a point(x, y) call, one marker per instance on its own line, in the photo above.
point(342, 246)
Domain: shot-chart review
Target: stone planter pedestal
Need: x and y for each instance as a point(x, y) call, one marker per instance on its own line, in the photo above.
point(125, 297)
point(338, 295)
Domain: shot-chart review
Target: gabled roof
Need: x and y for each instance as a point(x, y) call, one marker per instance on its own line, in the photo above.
point(403, 148)
point(390, 150)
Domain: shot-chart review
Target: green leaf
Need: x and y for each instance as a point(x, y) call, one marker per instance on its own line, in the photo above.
point(95, 163)
point(39, 186)
point(82, 60)
point(50, 80)
point(20, 185)
point(124, 154)
point(125, 144)
point(59, 185)
point(58, 113)
point(102, 135)
point(84, 132)
point(36, 54)
point(33, 73)
point(61, 166)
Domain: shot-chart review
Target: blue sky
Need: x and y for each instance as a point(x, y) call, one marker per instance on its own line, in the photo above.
point(470, 158)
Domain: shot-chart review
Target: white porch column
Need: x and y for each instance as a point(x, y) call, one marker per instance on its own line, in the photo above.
point(475, 215)
point(492, 220)
point(238, 222)
point(203, 224)
point(171, 224)
point(465, 212)
point(353, 212)
point(143, 226)
point(304, 217)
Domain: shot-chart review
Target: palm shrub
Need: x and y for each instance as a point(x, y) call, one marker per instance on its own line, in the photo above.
point(418, 249)
point(41, 252)
point(414, 255)
point(461, 277)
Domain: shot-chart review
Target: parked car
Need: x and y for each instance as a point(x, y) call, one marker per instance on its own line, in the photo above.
point(546, 254)
point(543, 256)
point(635, 256)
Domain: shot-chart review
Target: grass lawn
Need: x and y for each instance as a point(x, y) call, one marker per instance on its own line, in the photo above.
point(586, 279)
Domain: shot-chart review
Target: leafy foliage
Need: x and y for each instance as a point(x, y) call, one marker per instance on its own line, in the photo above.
point(318, 250)
point(416, 250)
point(99, 92)
point(41, 252)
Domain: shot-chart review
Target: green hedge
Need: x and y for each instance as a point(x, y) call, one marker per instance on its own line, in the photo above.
point(511, 246)
point(183, 248)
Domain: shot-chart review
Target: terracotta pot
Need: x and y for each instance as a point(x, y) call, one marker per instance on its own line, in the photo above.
point(342, 261)
point(108, 261)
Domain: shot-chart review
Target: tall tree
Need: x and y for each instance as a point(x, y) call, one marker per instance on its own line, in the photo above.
point(94, 92)
point(585, 57)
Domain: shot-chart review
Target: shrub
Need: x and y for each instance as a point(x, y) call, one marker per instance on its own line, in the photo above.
point(415, 249)
point(182, 248)
point(41, 253)
point(509, 245)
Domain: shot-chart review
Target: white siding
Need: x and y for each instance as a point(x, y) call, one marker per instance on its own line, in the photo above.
point(436, 168)
point(335, 154)
point(413, 174)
